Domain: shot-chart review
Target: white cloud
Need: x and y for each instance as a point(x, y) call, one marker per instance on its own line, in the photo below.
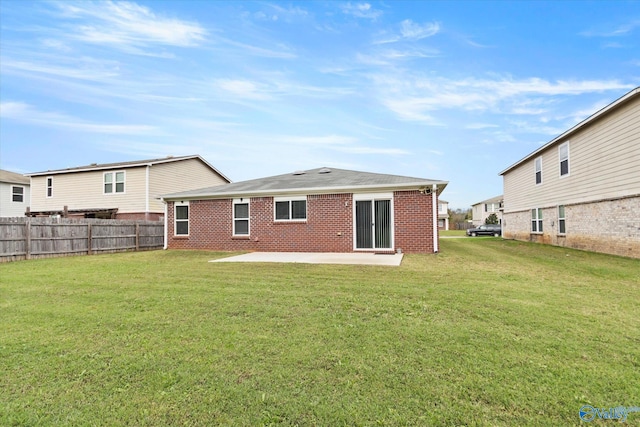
point(415, 97)
point(617, 31)
point(126, 23)
point(361, 10)
point(412, 31)
point(84, 69)
point(243, 89)
point(23, 112)
point(479, 126)
point(409, 31)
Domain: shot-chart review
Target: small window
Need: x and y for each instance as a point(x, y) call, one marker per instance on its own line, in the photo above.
point(536, 220)
point(290, 209)
point(240, 218)
point(17, 194)
point(562, 227)
point(50, 186)
point(113, 182)
point(182, 219)
point(539, 170)
point(563, 154)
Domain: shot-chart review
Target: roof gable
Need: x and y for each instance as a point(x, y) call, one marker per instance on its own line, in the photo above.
point(586, 122)
point(125, 165)
point(320, 180)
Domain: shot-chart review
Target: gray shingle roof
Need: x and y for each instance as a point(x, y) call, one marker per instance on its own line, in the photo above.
point(135, 163)
point(320, 180)
point(13, 178)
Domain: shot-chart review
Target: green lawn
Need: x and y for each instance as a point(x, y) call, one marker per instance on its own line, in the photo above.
point(488, 332)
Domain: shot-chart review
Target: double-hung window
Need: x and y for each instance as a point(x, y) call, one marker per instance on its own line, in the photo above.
point(182, 219)
point(50, 186)
point(536, 220)
point(17, 194)
point(113, 182)
point(538, 167)
point(240, 217)
point(562, 226)
point(290, 209)
point(563, 154)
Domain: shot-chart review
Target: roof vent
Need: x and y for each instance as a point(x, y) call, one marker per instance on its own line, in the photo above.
point(324, 170)
point(299, 172)
point(94, 164)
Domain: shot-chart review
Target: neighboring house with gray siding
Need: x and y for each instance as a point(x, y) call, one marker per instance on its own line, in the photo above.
point(480, 211)
point(581, 189)
point(14, 194)
point(125, 190)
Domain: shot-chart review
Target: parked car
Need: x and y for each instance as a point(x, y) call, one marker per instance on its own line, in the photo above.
point(486, 230)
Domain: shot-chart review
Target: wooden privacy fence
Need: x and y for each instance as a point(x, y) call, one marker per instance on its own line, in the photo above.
point(28, 238)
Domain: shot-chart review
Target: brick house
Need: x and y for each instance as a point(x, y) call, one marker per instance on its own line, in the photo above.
point(319, 210)
point(581, 189)
point(124, 190)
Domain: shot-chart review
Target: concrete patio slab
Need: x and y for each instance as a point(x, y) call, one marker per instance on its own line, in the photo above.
point(317, 258)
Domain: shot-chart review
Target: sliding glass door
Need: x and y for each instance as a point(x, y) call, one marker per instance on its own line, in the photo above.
point(373, 223)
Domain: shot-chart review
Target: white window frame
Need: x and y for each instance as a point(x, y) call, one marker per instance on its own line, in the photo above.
point(562, 219)
point(373, 197)
point(49, 187)
point(114, 182)
point(561, 159)
point(14, 194)
point(537, 162)
point(182, 220)
point(289, 200)
point(536, 221)
point(241, 201)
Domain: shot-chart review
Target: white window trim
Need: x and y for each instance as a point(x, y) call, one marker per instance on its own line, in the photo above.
point(13, 193)
point(291, 199)
point(373, 197)
point(49, 187)
point(538, 219)
point(564, 218)
point(114, 174)
point(175, 219)
point(233, 216)
point(568, 160)
point(535, 170)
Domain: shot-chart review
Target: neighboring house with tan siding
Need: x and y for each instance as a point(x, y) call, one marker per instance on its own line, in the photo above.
point(581, 189)
point(480, 211)
point(443, 215)
point(14, 194)
point(125, 190)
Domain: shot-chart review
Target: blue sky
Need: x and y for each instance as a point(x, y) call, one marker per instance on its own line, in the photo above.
point(446, 90)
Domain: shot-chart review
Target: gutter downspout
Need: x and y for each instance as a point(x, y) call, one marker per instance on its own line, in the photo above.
point(166, 224)
point(434, 202)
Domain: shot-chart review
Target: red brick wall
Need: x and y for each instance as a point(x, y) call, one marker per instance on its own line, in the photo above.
point(413, 212)
point(328, 228)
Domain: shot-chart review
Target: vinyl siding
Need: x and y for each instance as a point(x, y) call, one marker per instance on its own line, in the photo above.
point(9, 208)
point(167, 178)
point(604, 163)
point(84, 190)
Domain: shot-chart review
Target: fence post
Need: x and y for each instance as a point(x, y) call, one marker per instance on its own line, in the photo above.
point(89, 240)
point(137, 236)
point(28, 236)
